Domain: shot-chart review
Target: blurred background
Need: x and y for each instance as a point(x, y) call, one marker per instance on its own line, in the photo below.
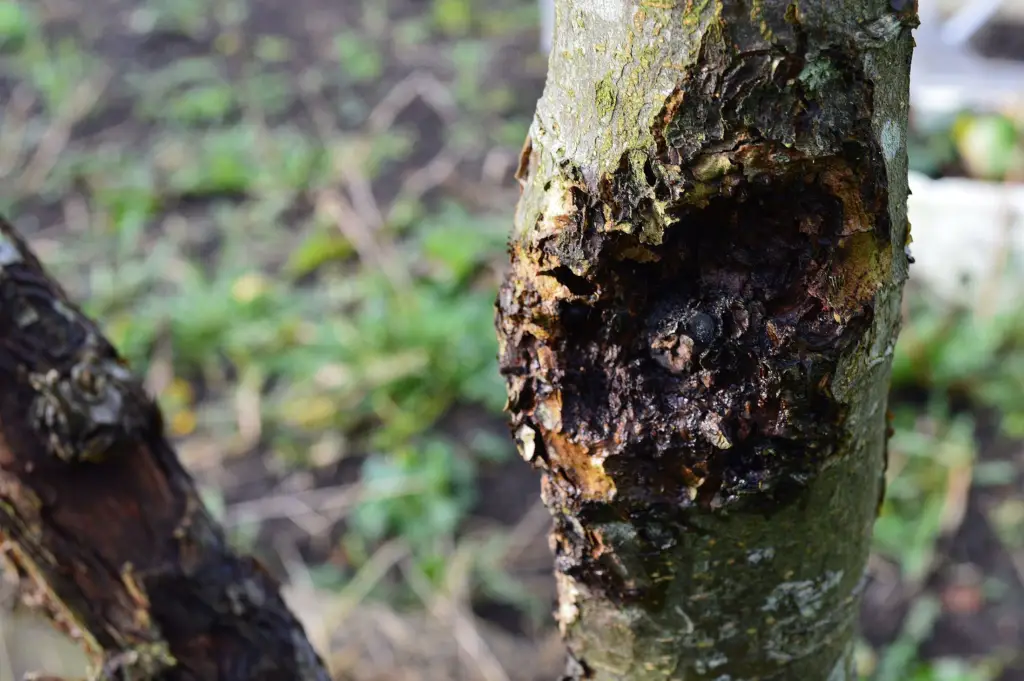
point(291, 217)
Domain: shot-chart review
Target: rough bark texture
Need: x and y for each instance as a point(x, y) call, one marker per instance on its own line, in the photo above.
point(698, 325)
point(101, 520)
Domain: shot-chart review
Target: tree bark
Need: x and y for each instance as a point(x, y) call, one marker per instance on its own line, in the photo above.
point(102, 521)
point(697, 327)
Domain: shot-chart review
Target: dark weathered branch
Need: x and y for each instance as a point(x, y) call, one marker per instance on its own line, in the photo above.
point(698, 325)
point(98, 515)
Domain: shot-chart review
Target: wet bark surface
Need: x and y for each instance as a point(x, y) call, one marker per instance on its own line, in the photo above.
point(698, 325)
point(101, 521)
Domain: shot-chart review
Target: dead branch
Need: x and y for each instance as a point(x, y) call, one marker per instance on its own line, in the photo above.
point(98, 515)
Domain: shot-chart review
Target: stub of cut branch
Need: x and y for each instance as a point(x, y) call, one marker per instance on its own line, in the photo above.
point(99, 518)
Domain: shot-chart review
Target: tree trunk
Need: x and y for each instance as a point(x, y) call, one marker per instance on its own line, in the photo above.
point(101, 520)
point(698, 324)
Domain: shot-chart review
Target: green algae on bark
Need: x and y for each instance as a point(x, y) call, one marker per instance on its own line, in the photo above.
point(697, 326)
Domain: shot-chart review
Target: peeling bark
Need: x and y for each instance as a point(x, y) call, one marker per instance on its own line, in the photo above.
point(102, 522)
point(698, 325)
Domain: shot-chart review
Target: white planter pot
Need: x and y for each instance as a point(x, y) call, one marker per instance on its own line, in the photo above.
point(966, 234)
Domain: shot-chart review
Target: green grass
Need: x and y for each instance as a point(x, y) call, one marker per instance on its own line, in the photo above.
point(963, 365)
point(212, 248)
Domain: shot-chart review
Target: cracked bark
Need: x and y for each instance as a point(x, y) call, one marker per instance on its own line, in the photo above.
point(697, 327)
point(101, 521)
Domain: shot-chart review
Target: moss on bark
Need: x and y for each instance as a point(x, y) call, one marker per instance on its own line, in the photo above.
point(698, 323)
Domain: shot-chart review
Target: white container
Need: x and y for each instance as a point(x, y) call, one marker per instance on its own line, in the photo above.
point(968, 239)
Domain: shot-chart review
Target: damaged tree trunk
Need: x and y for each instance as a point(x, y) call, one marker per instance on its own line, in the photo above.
point(101, 521)
point(697, 328)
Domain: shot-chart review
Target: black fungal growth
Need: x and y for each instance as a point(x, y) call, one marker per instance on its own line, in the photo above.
point(703, 328)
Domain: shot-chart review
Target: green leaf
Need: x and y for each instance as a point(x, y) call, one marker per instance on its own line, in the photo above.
point(318, 248)
point(453, 17)
point(202, 104)
point(15, 22)
point(359, 57)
